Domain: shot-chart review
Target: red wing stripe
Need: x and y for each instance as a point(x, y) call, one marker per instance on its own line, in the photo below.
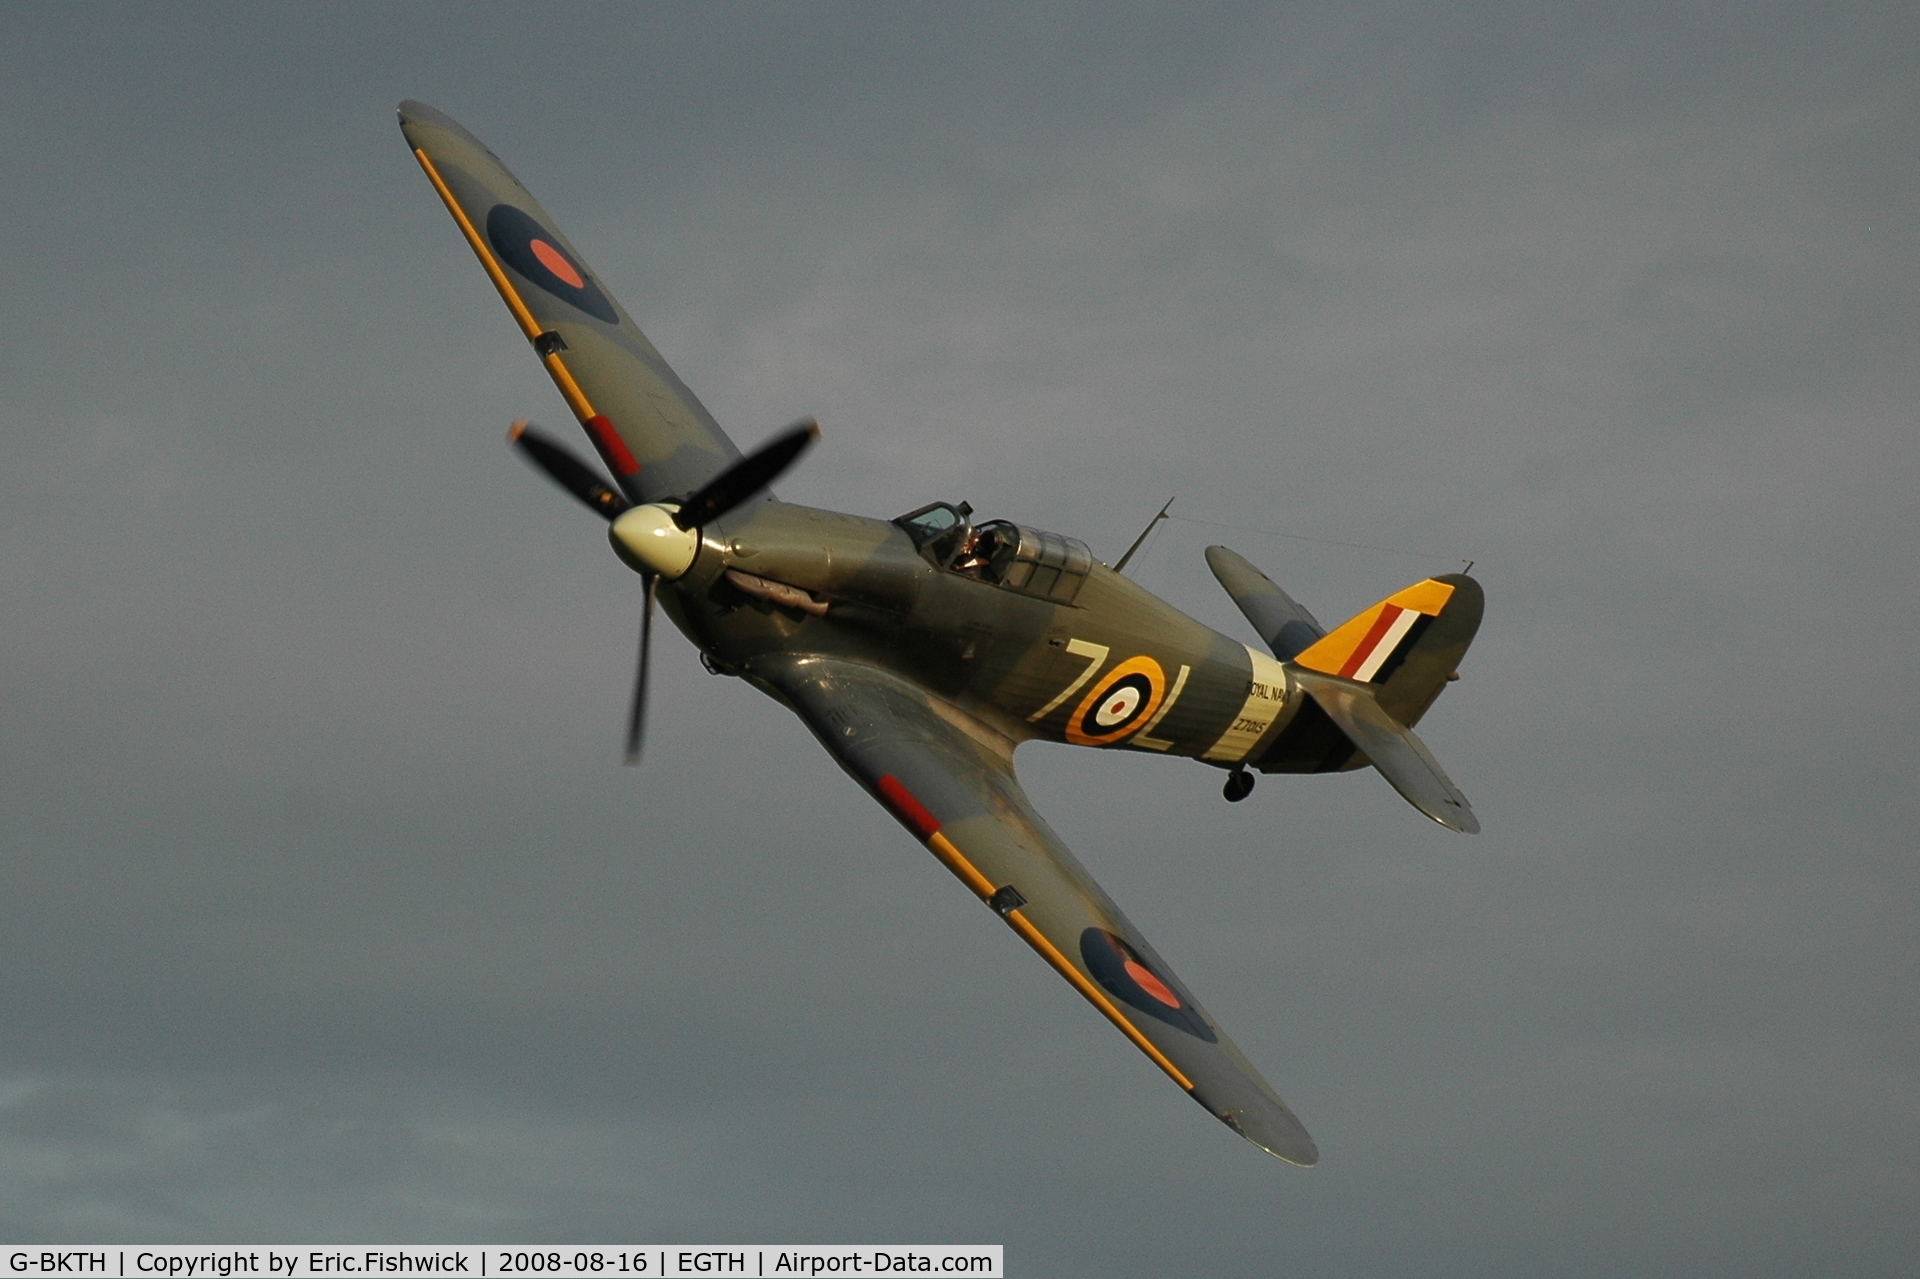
point(911, 812)
point(1375, 633)
point(612, 447)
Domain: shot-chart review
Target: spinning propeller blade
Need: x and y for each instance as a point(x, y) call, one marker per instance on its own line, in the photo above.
point(637, 712)
point(747, 476)
point(568, 471)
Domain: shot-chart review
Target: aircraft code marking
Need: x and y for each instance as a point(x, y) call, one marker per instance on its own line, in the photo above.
point(1079, 648)
point(1266, 695)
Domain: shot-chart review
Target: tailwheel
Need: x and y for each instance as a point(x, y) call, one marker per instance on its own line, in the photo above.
point(1239, 785)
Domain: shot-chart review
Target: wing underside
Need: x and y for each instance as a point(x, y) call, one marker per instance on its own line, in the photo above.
point(950, 781)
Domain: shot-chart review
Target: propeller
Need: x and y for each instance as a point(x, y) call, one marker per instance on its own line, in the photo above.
point(637, 712)
point(568, 471)
point(747, 476)
point(659, 539)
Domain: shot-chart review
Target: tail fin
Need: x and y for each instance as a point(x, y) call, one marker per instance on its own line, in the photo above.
point(1373, 677)
point(1407, 646)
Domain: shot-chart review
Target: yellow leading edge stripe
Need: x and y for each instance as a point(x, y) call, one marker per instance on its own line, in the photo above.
point(954, 860)
point(569, 389)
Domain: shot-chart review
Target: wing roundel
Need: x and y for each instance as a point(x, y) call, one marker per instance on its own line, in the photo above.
point(1119, 967)
point(529, 248)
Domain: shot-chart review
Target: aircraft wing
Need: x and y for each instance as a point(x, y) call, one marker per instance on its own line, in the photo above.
point(949, 779)
point(657, 439)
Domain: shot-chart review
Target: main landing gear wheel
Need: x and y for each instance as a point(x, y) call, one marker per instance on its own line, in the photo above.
point(1239, 785)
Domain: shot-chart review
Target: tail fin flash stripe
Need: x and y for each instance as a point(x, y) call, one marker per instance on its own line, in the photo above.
point(1397, 653)
point(1389, 638)
point(1388, 626)
point(1370, 647)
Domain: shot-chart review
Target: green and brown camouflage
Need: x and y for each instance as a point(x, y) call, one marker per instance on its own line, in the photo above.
point(922, 650)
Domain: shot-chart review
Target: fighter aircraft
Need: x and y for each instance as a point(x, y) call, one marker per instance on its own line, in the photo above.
point(923, 649)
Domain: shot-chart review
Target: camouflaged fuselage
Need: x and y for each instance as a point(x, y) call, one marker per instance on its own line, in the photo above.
point(1116, 667)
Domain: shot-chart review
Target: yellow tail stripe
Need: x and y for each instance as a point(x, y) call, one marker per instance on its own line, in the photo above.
point(1427, 597)
point(569, 389)
point(954, 860)
point(1330, 653)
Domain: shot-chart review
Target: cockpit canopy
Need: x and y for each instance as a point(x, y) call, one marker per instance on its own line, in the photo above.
point(1027, 560)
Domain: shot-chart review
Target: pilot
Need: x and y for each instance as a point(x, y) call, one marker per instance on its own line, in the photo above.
point(971, 558)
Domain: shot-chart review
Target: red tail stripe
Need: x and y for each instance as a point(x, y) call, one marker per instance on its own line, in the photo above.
point(911, 812)
point(612, 447)
point(1358, 658)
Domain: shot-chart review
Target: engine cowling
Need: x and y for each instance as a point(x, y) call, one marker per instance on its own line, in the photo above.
point(829, 554)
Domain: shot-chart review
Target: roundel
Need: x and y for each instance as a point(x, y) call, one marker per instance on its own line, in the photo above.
point(1118, 704)
point(529, 248)
point(1119, 967)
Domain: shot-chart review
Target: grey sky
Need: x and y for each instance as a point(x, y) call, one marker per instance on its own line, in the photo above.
point(328, 913)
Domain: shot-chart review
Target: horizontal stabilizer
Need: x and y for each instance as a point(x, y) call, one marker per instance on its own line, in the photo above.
point(1396, 753)
point(1286, 627)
